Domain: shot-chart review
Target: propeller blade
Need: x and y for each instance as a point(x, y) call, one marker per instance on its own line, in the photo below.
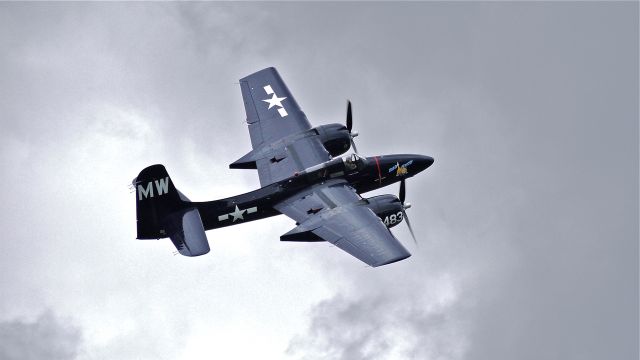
point(401, 196)
point(406, 219)
point(353, 146)
point(352, 134)
point(349, 116)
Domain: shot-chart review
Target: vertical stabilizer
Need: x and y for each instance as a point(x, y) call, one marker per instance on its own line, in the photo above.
point(162, 211)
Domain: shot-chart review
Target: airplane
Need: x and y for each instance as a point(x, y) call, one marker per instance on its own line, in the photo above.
point(301, 175)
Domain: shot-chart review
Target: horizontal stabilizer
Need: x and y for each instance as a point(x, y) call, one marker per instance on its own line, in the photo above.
point(246, 162)
point(187, 233)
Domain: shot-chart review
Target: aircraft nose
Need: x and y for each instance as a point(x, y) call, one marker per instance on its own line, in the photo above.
point(424, 161)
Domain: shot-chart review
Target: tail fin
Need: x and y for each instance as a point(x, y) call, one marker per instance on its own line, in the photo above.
point(156, 198)
point(162, 211)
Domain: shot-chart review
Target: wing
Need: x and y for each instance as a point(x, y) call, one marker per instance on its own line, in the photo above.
point(334, 212)
point(281, 136)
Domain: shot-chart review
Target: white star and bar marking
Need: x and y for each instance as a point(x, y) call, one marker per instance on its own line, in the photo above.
point(238, 214)
point(275, 101)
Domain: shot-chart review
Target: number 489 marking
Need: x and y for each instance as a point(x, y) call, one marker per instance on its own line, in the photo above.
point(393, 219)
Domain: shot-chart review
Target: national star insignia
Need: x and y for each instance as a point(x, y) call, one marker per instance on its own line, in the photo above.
point(237, 214)
point(274, 101)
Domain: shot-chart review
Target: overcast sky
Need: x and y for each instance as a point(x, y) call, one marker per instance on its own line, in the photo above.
point(527, 222)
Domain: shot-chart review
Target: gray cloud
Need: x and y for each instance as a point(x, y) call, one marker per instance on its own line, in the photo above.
point(383, 326)
point(518, 104)
point(47, 337)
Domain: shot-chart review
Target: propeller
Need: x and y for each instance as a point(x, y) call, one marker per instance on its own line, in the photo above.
point(405, 206)
point(352, 134)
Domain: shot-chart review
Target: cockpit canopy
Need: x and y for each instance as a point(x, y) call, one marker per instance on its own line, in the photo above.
point(353, 162)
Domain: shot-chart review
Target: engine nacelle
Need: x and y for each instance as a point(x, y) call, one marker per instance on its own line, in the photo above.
point(335, 138)
point(388, 208)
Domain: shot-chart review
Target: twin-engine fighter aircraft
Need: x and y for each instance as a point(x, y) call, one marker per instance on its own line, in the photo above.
point(299, 177)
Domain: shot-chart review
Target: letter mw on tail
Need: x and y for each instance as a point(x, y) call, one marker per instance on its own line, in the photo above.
point(162, 211)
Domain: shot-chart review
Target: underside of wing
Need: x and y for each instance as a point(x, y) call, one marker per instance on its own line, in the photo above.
point(333, 212)
point(281, 136)
point(272, 112)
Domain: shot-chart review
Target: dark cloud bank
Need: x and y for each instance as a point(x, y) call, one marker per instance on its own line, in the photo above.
point(47, 337)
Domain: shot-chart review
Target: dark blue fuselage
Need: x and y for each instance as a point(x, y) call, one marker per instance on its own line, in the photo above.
point(363, 174)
